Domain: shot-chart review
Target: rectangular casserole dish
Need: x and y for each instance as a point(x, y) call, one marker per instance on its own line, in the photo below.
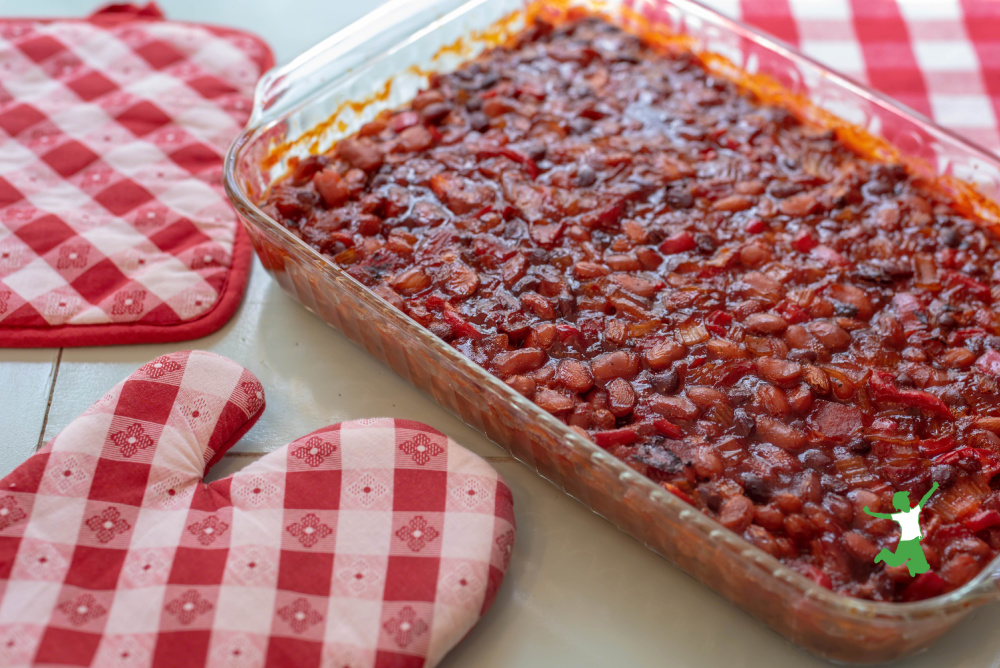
point(381, 62)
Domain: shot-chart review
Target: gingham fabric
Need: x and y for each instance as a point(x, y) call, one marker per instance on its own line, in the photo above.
point(368, 543)
point(939, 57)
point(114, 227)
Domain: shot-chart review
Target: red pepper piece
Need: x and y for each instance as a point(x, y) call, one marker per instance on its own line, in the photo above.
point(935, 446)
point(925, 585)
point(570, 336)
point(668, 429)
point(613, 437)
point(718, 330)
point(970, 285)
point(990, 363)
point(984, 519)
point(987, 459)
point(676, 491)
point(883, 385)
point(827, 255)
point(792, 312)
point(459, 326)
point(815, 574)
point(681, 242)
point(804, 242)
point(510, 154)
point(718, 317)
point(910, 311)
point(403, 120)
point(960, 336)
point(755, 226)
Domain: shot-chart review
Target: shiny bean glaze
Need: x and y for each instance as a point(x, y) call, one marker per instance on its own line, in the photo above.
point(735, 304)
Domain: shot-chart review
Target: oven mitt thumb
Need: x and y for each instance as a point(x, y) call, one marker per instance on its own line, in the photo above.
point(368, 543)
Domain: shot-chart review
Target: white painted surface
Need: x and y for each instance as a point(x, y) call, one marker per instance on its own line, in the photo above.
point(579, 593)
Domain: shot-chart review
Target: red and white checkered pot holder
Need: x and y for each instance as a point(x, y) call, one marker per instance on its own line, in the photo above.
point(939, 57)
point(114, 226)
point(368, 543)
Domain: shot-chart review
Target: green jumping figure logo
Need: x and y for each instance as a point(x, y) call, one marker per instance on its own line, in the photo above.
point(908, 551)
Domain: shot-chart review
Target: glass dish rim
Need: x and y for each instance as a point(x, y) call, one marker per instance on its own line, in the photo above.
point(983, 588)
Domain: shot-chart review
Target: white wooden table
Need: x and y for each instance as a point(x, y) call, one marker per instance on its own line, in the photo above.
point(579, 593)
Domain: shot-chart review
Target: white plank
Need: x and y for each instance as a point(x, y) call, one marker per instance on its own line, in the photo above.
point(25, 384)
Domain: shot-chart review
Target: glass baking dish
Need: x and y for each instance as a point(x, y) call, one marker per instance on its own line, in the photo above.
point(381, 62)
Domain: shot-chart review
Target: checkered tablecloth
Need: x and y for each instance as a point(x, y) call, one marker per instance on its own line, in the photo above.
point(939, 57)
point(368, 543)
point(114, 227)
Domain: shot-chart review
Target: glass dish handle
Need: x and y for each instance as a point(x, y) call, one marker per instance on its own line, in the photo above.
point(283, 88)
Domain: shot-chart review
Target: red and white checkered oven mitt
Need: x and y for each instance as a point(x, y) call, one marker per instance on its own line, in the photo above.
point(114, 226)
point(368, 543)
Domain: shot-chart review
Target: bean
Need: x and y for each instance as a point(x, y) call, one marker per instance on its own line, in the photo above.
point(817, 379)
point(426, 98)
point(411, 281)
point(852, 296)
point(842, 386)
point(544, 375)
point(618, 364)
point(803, 204)
point(553, 401)
point(733, 203)
point(539, 305)
point(762, 285)
point(778, 371)
point(769, 516)
point(705, 397)
point(522, 385)
point(800, 399)
point(859, 547)
point(603, 419)
point(513, 270)
point(726, 349)
point(519, 361)
point(416, 138)
point(750, 187)
point(615, 331)
point(763, 539)
point(798, 527)
point(788, 502)
point(958, 358)
point(832, 337)
point(464, 281)
point(707, 463)
point(766, 323)
point(621, 397)
point(638, 285)
point(840, 508)
point(665, 353)
point(623, 263)
point(777, 433)
point(755, 255)
point(666, 382)
point(797, 336)
point(736, 513)
point(773, 400)
point(435, 113)
point(582, 416)
point(575, 375)
point(678, 408)
point(362, 153)
point(588, 270)
point(960, 569)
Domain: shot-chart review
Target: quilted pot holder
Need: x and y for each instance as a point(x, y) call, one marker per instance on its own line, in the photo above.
point(114, 227)
point(368, 543)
